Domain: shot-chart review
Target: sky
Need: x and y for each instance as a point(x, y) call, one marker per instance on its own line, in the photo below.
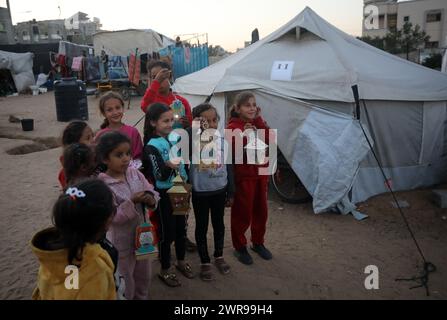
point(228, 22)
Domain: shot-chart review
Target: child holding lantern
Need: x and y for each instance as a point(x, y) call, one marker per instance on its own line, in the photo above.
point(160, 91)
point(158, 140)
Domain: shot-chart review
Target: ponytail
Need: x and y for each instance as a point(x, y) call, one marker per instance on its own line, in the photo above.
point(233, 113)
point(105, 124)
point(149, 131)
point(80, 219)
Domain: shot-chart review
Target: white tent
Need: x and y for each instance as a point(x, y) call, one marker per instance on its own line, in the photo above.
point(403, 109)
point(124, 42)
point(21, 67)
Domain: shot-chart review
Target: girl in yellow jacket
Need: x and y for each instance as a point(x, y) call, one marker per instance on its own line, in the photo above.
point(73, 266)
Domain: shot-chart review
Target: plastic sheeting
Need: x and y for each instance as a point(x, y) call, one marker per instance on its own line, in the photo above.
point(324, 148)
point(21, 67)
point(187, 60)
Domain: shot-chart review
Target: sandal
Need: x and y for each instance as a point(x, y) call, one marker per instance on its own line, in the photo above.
point(223, 267)
point(170, 279)
point(205, 272)
point(186, 270)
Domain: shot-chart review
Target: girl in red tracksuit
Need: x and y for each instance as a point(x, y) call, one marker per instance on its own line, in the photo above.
point(250, 202)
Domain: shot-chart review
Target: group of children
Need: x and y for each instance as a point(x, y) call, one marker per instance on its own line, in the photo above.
point(113, 182)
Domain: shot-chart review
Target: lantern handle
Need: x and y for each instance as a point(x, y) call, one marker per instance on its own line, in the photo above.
point(143, 207)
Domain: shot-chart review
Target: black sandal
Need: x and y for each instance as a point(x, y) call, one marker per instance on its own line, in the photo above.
point(170, 279)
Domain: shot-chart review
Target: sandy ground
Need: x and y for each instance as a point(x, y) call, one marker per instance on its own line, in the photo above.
point(315, 256)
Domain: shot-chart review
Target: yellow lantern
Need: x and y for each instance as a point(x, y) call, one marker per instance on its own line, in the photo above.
point(207, 141)
point(180, 195)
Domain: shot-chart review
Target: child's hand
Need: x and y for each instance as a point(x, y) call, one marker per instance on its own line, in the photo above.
point(162, 75)
point(197, 120)
point(138, 197)
point(229, 203)
point(249, 125)
point(174, 163)
point(185, 122)
point(149, 199)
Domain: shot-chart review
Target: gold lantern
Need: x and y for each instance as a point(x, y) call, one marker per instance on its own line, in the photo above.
point(207, 141)
point(180, 195)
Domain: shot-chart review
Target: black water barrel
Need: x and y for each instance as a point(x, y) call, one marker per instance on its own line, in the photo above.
point(71, 99)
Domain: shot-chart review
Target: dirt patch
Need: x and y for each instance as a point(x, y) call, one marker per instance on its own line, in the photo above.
point(35, 145)
point(314, 256)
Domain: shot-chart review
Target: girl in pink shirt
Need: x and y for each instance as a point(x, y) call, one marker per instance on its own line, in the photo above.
point(111, 106)
point(132, 194)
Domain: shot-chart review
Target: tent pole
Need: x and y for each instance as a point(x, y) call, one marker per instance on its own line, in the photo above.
point(355, 91)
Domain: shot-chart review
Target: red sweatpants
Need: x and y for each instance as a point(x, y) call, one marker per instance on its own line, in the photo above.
point(249, 209)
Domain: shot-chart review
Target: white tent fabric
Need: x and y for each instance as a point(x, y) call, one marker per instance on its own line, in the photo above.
point(403, 110)
point(329, 146)
point(21, 67)
point(327, 63)
point(124, 42)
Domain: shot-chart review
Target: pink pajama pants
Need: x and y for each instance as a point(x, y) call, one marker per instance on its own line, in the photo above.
point(137, 277)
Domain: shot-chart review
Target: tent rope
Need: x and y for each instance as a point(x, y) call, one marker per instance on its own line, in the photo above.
point(429, 267)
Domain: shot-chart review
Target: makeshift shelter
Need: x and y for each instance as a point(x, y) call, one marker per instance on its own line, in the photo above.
point(302, 76)
point(124, 42)
point(21, 67)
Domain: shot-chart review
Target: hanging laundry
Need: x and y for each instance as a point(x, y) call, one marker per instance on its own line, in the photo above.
point(77, 64)
point(134, 69)
point(92, 68)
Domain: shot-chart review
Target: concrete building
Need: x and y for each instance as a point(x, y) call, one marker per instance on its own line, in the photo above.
point(80, 29)
point(6, 29)
point(47, 31)
point(430, 15)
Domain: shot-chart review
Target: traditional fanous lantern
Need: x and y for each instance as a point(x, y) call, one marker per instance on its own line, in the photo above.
point(180, 195)
point(254, 145)
point(206, 141)
point(144, 239)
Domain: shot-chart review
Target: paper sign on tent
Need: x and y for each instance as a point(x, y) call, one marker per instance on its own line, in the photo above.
point(282, 70)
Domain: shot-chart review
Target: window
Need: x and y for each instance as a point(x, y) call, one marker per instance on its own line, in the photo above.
point(25, 36)
point(406, 19)
point(434, 17)
point(431, 44)
point(381, 21)
point(35, 30)
point(2, 27)
point(392, 21)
